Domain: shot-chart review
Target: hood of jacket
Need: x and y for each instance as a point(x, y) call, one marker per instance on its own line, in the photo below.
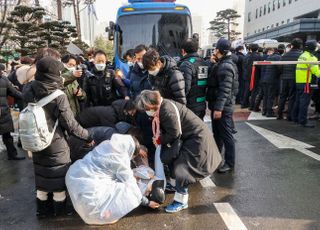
point(168, 63)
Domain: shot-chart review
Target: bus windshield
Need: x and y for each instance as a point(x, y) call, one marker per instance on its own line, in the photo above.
point(165, 32)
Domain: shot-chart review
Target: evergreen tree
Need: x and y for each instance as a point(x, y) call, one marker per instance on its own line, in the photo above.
point(24, 22)
point(102, 43)
point(57, 34)
point(221, 25)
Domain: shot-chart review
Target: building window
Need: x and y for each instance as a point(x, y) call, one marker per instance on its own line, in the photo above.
point(249, 17)
point(263, 29)
point(255, 31)
point(257, 13)
point(269, 7)
point(288, 20)
point(272, 26)
point(277, 24)
point(268, 27)
point(279, 4)
point(284, 2)
point(259, 31)
point(274, 5)
point(260, 11)
point(282, 22)
point(264, 9)
point(290, 1)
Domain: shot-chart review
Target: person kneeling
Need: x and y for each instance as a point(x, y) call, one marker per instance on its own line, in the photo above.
point(102, 186)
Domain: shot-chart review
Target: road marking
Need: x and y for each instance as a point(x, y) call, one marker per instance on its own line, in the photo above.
point(254, 116)
point(229, 216)
point(284, 142)
point(207, 183)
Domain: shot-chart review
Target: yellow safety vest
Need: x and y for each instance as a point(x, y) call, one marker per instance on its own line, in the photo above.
point(302, 69)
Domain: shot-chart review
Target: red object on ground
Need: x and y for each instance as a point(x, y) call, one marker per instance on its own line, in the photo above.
point(252, 77)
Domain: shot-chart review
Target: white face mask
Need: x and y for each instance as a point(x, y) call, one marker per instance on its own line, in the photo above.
point(151, 113)
point(130, 63)
point(100, 67)
point(71, 69)
point(154, 72)
point(140, 65)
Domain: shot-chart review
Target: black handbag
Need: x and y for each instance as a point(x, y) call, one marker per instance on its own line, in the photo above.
point(170, 152)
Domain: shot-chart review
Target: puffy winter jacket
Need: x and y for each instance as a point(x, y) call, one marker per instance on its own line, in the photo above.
point(170, 81)
point(223, 85)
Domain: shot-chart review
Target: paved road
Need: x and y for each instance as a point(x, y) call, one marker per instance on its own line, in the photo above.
point(271, 188)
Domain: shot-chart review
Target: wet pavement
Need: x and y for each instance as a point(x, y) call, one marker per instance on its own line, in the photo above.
point(271, 188)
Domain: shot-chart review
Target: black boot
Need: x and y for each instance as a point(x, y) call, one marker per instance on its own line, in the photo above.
point(59, 208)
point(42, 208)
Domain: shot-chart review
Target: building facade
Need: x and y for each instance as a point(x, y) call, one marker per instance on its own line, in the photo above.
point(281, 19)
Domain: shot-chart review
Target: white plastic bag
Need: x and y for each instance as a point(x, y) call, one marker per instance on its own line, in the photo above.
point(101, 185)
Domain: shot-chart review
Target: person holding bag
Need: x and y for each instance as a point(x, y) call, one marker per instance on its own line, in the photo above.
point(187, 144)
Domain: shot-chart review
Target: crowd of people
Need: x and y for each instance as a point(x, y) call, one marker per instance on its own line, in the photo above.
point(119, 138)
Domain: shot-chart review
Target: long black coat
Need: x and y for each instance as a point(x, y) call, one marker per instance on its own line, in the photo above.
point(6, 88)
point(52, 163)
point(104, 115)
point(170, 81)
point(199, 156)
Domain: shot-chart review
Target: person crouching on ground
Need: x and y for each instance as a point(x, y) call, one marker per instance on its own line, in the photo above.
point(102, 186)
point(187, 144)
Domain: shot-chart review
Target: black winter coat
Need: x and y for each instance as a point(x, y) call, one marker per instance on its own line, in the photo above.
point(240, 62)
point(199, 156)
point(6, 89)
point(247, 67)
point(271, 73)
point(194, 91)
point(52, 163)
point(289, 71)
point(104, 115)
point(169, 81)
point(101, 88)
point(138, 81)
point(223, 85)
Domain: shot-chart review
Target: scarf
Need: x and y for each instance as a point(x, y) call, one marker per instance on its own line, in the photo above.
point(156, 127)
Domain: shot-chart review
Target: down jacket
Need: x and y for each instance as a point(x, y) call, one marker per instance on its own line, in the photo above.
point(52, 163)
point(223, 85)
point(170, 81)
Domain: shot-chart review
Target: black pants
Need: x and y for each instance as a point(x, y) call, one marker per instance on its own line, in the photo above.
point(222, 130)
point(269, 93)
point(254, 95)
point(144, 123)
point(300, 111)
point(239, 97)
point(246, 94)
point(287, 91)
point(316, 99)
point(8, 142)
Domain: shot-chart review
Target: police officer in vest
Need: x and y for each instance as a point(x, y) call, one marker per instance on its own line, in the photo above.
point(195, 72)
point(304, 74)
point(101, 85)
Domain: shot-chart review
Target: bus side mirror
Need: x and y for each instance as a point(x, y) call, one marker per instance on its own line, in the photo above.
point(111, 30)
